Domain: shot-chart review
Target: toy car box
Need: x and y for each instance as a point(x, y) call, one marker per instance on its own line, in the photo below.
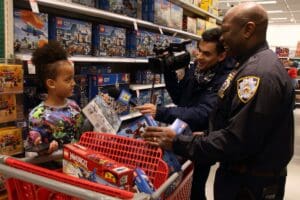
point(84, 163)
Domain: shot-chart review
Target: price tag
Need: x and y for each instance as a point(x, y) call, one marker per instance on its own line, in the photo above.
point(34, 6)
point(31, 67)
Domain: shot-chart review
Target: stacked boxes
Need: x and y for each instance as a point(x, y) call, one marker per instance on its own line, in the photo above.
point(123, 7)
point(30, 30)
point(74, 35)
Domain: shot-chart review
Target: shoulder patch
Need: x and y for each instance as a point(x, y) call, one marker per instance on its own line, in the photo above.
point(247, 87)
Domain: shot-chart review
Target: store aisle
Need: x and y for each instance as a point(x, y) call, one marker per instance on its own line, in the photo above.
point(292, 190)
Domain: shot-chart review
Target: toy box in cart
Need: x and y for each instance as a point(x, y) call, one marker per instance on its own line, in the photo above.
point(26, 181)
point(30, 30)
point(87, 164)
point(109, 41)
point(74, 35)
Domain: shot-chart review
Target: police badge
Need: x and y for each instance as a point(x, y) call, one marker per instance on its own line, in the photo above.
point(247, 87)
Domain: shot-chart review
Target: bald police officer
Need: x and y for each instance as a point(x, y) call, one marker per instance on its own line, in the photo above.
point(251, 131)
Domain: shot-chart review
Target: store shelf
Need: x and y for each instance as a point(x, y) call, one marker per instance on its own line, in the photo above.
point(97, 13)
point(145, 86)
point(130, 116)
point(94, 59)
point(196, 10)
point(170, 105)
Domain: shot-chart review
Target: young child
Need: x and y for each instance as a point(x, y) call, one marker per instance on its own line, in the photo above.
point(57, 120)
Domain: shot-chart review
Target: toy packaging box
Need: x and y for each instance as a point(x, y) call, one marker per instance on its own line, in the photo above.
point(136, 128)
point(90, 3)
point(102, 116)
point(11, 78)
point(8, 111)
point(140, 43)
point(11, 142)
point(109, 41)
point(84, 163)
point(30, 30)
point(159, 12)
point(176, 17)
point(200, 26)
point(123, 7)
point(143, 96)
point(74, 35)
point(118, 105)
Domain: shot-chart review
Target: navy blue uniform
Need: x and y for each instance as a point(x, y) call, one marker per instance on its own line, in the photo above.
point(195, 101)
point(252, 130)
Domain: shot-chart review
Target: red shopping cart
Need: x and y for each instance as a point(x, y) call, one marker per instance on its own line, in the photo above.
point(28, 181)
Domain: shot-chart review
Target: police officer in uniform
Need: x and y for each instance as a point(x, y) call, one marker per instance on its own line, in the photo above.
point(196, 95)
point(251, 131)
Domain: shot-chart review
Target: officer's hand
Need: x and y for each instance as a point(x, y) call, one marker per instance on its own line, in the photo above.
point(53, 146)
point(147, 108)
point(159, 136)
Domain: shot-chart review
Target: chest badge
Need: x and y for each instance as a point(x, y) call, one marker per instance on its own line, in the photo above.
point(247, 87)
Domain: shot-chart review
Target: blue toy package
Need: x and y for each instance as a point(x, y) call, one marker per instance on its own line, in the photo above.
point(178, 126)
point(136, 128)
point(30, 30)
point(74, 35)
point(159, 12)
point(142, 181)
point(109, 41)
point(123, 7)
point(140, 43)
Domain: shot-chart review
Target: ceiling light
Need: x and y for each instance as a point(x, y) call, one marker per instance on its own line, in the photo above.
point(266, 2)
point(278, 18)
point(274, 11)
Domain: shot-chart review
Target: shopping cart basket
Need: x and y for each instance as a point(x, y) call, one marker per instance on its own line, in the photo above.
point(28, 181)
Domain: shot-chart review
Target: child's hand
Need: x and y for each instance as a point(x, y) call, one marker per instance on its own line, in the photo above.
point(37, 140)
point(53, 146)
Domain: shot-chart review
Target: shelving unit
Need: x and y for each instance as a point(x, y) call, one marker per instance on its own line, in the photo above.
point(195, 10)
point(145, 86)
point(93, 12)
point(94, 59)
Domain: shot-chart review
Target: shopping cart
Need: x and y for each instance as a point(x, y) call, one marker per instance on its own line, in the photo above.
point(25, 180)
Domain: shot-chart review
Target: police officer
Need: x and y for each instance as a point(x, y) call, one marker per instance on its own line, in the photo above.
point(251, 131)
point(196, 95)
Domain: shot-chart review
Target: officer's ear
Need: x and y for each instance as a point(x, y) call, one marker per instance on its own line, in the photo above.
point(249, 29)
point(222, 56)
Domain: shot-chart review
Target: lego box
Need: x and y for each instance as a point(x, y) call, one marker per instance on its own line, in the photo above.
point(159, 12)
point(30, 30)
point(11, 78)
point(109, 41)
point(11, 141)
point(83, 163)
point(74, 35)
point(123, 7)
point(8, 110)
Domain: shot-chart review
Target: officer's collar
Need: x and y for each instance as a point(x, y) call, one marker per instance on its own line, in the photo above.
point(254, 50)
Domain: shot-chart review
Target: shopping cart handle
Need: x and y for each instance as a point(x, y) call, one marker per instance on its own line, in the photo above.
point(71, 190)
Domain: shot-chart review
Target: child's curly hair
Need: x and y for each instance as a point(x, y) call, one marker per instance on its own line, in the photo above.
point(45, 59)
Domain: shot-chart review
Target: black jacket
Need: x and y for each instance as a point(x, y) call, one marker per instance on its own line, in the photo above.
point(194, 101)
point(256, 131)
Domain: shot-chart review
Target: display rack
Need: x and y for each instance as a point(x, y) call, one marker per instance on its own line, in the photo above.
point(195, 10)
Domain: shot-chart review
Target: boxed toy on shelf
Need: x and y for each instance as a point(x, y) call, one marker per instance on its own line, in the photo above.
point(74, 35)
point(8, 110)
point(123, 7)
point(109, 41)
point(159, 12)
point(11, 141)
point(11, 78)
point(200, 26)
point(30, 30)
point(176, 17)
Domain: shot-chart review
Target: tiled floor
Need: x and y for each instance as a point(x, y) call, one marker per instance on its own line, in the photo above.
point(292, 189)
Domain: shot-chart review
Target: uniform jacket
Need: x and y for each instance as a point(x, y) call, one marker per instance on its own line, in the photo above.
point(257, 132)
point(194, 101)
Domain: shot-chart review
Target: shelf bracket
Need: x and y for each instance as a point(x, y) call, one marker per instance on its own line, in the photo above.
point(160, 30)
point(136, 28)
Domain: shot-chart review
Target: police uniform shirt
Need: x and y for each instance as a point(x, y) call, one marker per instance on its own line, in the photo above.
point(253, 123)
